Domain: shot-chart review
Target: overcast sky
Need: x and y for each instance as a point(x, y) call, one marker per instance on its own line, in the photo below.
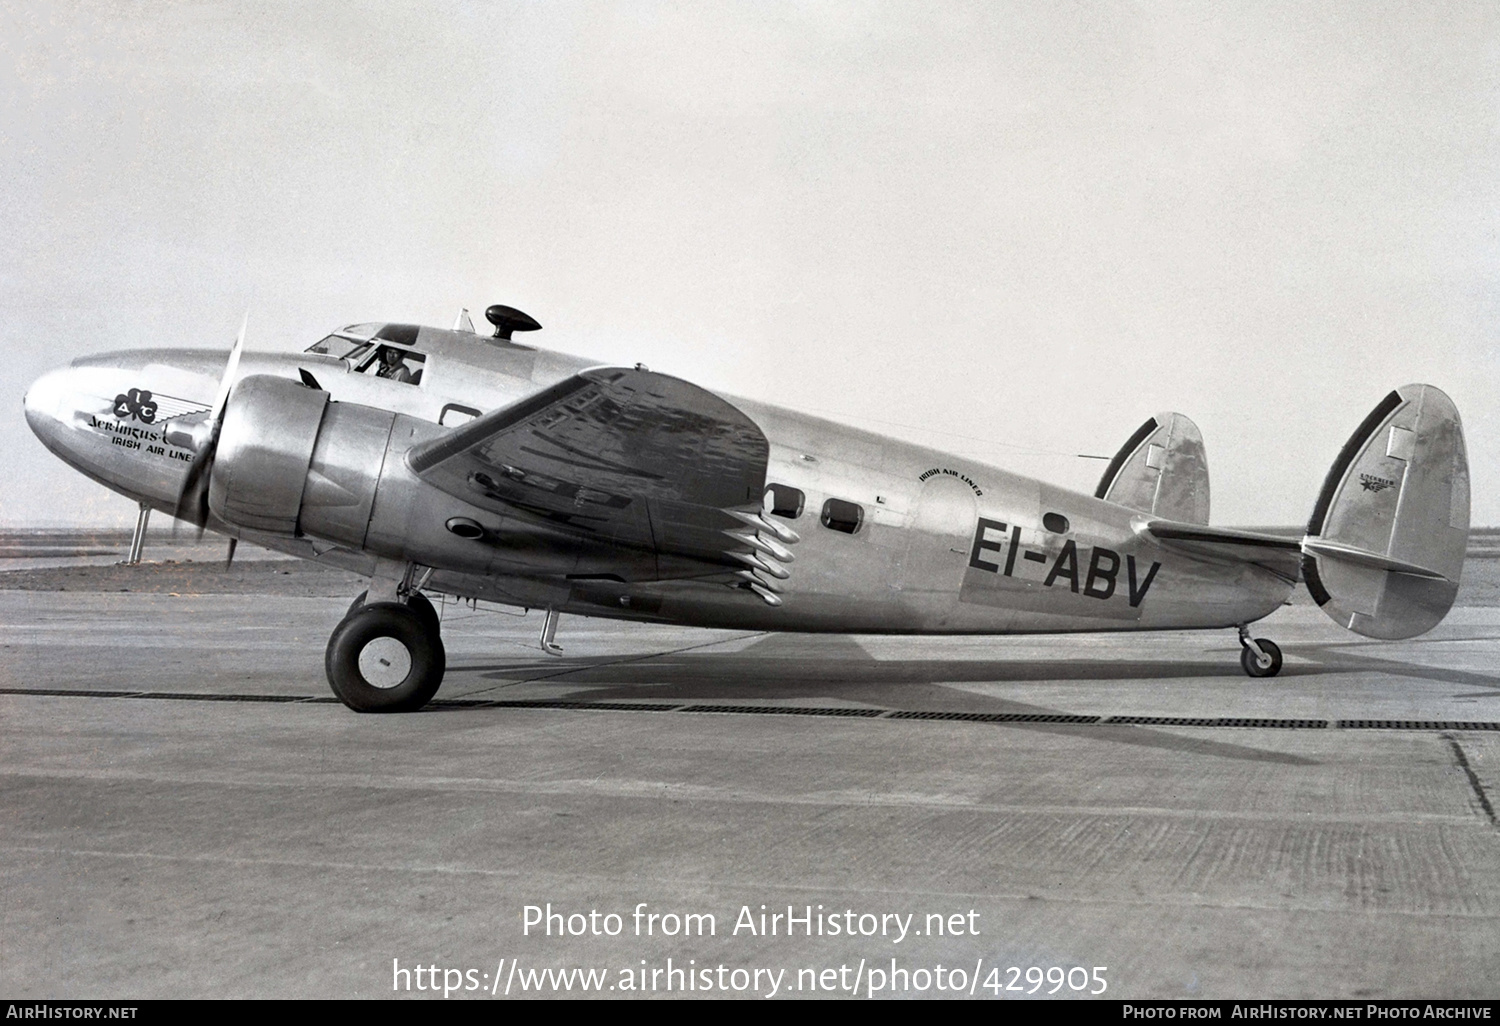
point(1012, 230)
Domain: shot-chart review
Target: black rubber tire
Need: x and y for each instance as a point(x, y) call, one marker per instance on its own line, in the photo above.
point(1247, 659)
point(424, 647)
point(418, 603)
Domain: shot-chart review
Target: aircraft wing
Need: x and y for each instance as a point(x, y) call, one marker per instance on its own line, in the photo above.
point(628, 457)
point(1278, 555)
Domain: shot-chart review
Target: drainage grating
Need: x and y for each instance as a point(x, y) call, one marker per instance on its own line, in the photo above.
point(976, 717)
point(1186, 721)
point(784, 710)
point(1417, 725)
point(498, 703)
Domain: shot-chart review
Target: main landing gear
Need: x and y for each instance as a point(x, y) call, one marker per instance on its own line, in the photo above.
point(1260, 657)
point(387, 656)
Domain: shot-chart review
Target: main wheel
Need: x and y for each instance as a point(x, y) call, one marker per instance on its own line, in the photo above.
point(385, 658)
point(416, 602)
point(1253, 668)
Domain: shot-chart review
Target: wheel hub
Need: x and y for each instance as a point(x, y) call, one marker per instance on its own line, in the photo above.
point(384, 663)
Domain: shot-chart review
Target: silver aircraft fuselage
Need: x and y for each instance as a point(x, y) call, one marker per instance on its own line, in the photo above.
point(943, 544)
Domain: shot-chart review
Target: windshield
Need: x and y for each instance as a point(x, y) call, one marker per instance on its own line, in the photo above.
point(336, 346)
point(345, 342)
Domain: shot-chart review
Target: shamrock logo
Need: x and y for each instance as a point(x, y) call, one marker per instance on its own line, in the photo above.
point(136, 403)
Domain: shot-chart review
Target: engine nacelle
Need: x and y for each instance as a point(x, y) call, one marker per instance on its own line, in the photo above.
point(291, 462)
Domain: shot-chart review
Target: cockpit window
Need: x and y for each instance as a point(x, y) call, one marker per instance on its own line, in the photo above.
point(343, 341)
point(336, 346)
point(403, 334)
point(359, 346)
point(393, 364)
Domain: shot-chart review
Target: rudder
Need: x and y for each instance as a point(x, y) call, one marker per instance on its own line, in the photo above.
point(1384, 549)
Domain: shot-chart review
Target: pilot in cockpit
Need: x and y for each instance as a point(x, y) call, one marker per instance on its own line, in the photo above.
point(393, 366)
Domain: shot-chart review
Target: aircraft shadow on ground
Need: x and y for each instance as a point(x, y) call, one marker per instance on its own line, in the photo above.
point(800, 668)
point(789, 665)
point(1337, 658)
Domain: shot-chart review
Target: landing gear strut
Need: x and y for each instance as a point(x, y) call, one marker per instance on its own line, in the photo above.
point(1260, 657)
point(138, 539)
point(549, 632)
point(387, 656)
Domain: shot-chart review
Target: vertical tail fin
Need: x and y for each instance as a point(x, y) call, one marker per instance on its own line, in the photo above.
point(1385, 546)
point(1162, 470)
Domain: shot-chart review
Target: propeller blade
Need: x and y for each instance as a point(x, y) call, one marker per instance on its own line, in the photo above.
point(227, 381)
point(192, 501)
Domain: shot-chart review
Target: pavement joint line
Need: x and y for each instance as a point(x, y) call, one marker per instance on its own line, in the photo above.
point(848, 711)
point(620, 789)
point(1474, 783)
point(811, 889)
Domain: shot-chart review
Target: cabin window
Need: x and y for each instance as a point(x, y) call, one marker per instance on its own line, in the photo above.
point(784, 501)
point(1055, 522)
point(839, 515)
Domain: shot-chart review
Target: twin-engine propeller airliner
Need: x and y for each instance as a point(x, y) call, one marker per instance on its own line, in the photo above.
point(481, 468)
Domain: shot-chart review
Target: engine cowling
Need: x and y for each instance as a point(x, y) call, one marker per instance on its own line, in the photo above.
point(266, 443)
point(289, 461)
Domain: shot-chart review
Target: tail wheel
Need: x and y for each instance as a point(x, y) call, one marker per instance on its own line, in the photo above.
point(416, 602)
point(1253, 666)
point(385, 657)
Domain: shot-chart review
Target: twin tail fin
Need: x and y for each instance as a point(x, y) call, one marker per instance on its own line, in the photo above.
point(1162, 470)
point(1385, 546)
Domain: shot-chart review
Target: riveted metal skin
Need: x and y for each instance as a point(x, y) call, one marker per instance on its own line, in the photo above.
point(1161, 470)
point(342, 477)
point(265, 447)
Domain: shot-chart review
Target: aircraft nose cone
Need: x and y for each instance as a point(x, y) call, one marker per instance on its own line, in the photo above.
point(45, 401)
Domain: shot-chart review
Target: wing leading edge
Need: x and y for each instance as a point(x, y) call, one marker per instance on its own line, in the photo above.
point(629, 457)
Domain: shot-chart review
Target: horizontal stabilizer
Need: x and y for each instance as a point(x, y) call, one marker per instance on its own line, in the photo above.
point(1385, 546)
point(1359, 557)
point(1276, 555)
point(1162, 470)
